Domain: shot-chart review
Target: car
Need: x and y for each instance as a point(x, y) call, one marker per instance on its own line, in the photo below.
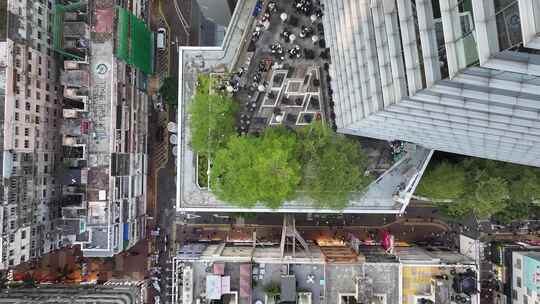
point(161, 38)
point(157, 101)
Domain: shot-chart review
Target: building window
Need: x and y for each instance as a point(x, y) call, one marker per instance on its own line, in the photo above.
point(44, 193)
point(514, 294)
point(17, 116)
point(27, 106)
point(37, 120)
point(11, 262)
point(16, 143)
point(37, 132)
point(518, 263)
point(23, 258)
point(38, 96)
point(12, 238)
point(37, 108)
point(518, 282)
point(46, 157)
point(14, 157)
point(12, 225)
point(46, 169)
point(26, 118)
point(26, 144)
point(16, 132)
point(26, 131)
point(23, 235)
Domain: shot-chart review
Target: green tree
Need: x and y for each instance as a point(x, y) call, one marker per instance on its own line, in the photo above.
point(445, 181)
point(169, 90)
point(333, 166)
point(483, 197)
point(212, 119)
point(251, 170)
point(479, 186)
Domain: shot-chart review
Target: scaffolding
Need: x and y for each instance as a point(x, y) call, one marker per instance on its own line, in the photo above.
point(58, 26)
point(134, 41)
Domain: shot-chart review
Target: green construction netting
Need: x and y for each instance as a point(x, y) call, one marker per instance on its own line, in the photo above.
point(141, 45)
point(122, 49)
point(134, 41)
point(58, 26)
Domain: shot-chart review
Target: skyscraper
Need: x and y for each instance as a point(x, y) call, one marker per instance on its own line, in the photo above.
point(460, 76)
point(30, 115)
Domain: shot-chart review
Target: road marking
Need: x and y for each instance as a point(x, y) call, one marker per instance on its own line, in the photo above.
point(169, 32)
point(181, 17)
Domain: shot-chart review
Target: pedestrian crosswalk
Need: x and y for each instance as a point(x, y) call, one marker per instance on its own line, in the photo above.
point(160, 155)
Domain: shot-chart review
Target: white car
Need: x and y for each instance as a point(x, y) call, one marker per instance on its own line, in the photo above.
point(161, 38)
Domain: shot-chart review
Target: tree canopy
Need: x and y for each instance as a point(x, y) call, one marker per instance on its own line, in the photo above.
point(484, 187)
point(333, 166)
point(251, 170)
point(169, 90)
point(212, 118)
point(446, 181)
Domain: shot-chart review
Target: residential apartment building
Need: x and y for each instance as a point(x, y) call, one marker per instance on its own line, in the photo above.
point(460, 76)
point(128, 292)
point(326, 271)
point(103, 133)
point(30, 115)
point(525, 277)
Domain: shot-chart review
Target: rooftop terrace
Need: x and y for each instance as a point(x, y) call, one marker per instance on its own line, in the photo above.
point(276, 70)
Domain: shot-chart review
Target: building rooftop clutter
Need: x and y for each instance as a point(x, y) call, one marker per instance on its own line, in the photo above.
point(268, 277)
point(105, 124)
point(275, 87)
point(75, 78)
point(127, 293)
point(71, 32)
point(288, 288)
point(299, 271)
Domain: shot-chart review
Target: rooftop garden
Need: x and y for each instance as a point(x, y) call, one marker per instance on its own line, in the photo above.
point(278, 164)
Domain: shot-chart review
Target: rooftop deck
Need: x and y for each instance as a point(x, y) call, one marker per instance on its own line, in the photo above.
point(293, 93)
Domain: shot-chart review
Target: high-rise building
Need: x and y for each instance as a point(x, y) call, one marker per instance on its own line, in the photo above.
point(74, 119)
point(525, 277)
point(460, 76)
point(30, 115)
point(127, 292)
point(104, 81)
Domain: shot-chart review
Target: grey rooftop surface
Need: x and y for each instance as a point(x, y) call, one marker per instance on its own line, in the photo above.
point(324, 282)
point(389, 193)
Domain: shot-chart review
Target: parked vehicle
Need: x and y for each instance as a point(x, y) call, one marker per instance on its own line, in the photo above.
point(161, 38)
